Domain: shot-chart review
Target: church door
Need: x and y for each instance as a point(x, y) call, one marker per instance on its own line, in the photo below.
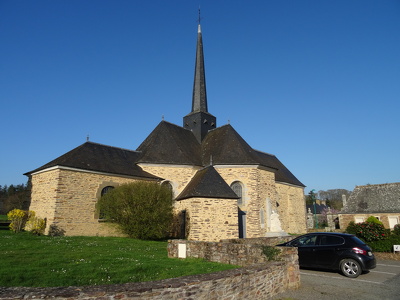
point(242, 223)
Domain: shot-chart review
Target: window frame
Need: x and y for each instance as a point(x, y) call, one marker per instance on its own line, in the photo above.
point(241, 199)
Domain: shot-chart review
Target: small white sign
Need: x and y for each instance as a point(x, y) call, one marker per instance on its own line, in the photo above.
point(396, 248)
point(181, 250)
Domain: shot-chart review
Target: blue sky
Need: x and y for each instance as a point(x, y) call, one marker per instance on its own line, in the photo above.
point(316, 83)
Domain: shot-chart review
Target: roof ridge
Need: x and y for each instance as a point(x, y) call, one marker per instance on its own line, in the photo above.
point(169, 123)
point(90, 142)
point(263, 152)
point(378, 184)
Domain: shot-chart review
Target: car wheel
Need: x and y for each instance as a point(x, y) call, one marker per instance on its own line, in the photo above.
point(350, 268)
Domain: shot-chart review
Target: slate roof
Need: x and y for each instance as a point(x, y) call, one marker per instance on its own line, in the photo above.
point(101, 158)
point(170, 144)
point(319, 208)
point(207, 183)
point(282, 174)
point(376, 198)
point(226, 146)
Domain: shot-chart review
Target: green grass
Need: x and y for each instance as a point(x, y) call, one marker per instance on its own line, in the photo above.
point(3, 218)
point(43, 261)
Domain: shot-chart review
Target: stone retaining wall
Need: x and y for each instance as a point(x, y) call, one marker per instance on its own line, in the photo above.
point(244, 252)
point(240, 252)
point(255, 282)
point(258, 279)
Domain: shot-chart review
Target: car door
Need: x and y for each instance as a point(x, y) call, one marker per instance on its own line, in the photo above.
point(306, 249)
point(327, 250)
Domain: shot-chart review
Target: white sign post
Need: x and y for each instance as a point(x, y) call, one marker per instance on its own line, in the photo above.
point(396, 248)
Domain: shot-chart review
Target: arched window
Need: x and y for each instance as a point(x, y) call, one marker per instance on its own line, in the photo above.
point(237, 188)
point(104, 191)
point(169, 186)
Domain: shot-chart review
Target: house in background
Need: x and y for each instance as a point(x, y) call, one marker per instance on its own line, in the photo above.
point(222, 187)
point(379, 200)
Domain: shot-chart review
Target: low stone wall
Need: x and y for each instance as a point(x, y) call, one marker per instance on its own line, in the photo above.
point(246, 252)
point(255, 282)
point(258, 279)
point(240, 252)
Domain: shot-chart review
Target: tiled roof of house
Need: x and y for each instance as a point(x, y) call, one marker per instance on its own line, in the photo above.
point(100, 158)
point(375, 198)
point(207, 183)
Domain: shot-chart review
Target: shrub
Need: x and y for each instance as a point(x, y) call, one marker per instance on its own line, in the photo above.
point(270, 252)
point(367, 231)
point(396, 229)
point(142, 210)
point(351, 228)
point(35, 224)
point(385, 245)
point(374, 220)
point(18, 219)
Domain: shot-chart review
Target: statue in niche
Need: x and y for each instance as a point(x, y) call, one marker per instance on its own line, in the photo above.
point(275, 222)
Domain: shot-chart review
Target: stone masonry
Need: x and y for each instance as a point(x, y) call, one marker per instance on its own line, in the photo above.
point(68, 199)
point(210, 219)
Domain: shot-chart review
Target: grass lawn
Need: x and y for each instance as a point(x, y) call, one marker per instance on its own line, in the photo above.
point(43, 261)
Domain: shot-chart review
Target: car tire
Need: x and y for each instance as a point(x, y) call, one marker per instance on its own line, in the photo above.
point(350, 267)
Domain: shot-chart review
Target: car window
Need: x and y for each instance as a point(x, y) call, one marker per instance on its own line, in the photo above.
point(308, 240)
point(326, 240)
point(357, 241)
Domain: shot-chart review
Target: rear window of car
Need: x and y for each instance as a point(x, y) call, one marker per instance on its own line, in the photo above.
point(357, 241)
point(326, 240)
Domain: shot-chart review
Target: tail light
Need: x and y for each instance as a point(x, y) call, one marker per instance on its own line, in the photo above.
point(359, 251)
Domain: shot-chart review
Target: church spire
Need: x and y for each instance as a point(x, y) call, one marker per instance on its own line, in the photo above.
point(199, 98)
point(199, 120)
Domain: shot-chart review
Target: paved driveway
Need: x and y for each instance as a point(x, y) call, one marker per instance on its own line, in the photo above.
point(381, 283)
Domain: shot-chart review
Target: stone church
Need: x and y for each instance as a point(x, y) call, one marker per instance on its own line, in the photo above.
point(222, 187)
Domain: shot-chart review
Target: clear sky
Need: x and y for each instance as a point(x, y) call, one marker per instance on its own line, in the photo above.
point(316, 83)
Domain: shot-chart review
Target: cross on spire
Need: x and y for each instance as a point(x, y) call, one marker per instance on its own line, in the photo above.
point(199, 18)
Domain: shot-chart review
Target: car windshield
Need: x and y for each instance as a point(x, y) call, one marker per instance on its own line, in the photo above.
point(357, 241)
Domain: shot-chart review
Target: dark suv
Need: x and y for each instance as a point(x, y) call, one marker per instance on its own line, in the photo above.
point(337, 251)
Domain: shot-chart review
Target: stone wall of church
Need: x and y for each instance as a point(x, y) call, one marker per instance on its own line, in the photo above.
point(68, 200)
point(210, 219)
point(44, 194)
point(259, 191)
point(258, 187)
point(292, 208)
point(178, 176)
